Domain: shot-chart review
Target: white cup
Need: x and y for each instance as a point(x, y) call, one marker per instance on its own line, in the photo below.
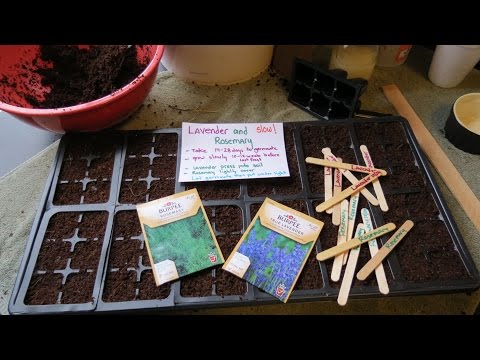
point(452, 63)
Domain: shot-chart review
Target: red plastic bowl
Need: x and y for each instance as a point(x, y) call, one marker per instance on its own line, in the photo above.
point(91, 116)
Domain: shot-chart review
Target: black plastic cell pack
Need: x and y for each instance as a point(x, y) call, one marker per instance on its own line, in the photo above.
point(326, 94)
point(86, 252)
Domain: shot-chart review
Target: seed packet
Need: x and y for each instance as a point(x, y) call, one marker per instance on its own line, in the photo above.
point(274, 249)
point(180, 240)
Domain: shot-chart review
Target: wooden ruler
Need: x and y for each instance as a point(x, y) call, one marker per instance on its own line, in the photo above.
point(454, 181)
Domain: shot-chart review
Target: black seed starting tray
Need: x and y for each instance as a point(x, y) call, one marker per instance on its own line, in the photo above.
point(326, 94)
point(86, 251)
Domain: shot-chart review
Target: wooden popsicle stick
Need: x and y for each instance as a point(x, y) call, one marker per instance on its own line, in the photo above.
point(347, 192)
point(328, 184)
point(373, 247)
point(342, 165)
point(341, 238)
point(349, 270)
point(352, 178)
point(382, 230)
point(352, 214)
point(454, 181)
point(376, 183)
point(375, 261)
point(337, 189)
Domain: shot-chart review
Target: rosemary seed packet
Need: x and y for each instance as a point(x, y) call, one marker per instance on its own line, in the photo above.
point(180, 240)
point(274, 249)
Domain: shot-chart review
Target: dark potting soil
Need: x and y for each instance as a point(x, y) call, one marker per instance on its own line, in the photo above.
point(86, 171)
point(72, 241)
point(128, 258)
point(285, 185)
point(149, 169)
point(77, 76)
point(227, 222)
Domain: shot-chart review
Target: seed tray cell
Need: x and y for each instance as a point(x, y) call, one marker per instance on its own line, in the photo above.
point(326, 94)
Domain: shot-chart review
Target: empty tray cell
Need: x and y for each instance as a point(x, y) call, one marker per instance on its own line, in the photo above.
point(320, 104)
point(324, 83)
point(213, 190)
point(290, 185)
point(427, 253)
point(197, 285)
point(345, 93)
point(301, 94)
point(339, 111)
point(304, 74)
point(71, 249)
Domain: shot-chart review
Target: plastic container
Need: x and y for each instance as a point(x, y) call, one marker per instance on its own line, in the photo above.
point(119, 277)
point(452, 63)
point(326, 94)
point(217, 64)
point(462, 128)
point(393, 55)
point(357, 60)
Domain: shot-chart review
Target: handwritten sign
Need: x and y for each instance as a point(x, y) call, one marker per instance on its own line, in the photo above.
point(232, 151)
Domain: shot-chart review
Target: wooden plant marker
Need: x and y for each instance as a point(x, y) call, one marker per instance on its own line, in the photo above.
point(342, 165)
point(341, 238)
point(376, 184)
point(373, 247)
point(333, 251)
point(352, 214)
point(350, 270)
point(337, 189)
point(347, 192)
point(352, 178)
point(375, 261)
point(328, 183)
